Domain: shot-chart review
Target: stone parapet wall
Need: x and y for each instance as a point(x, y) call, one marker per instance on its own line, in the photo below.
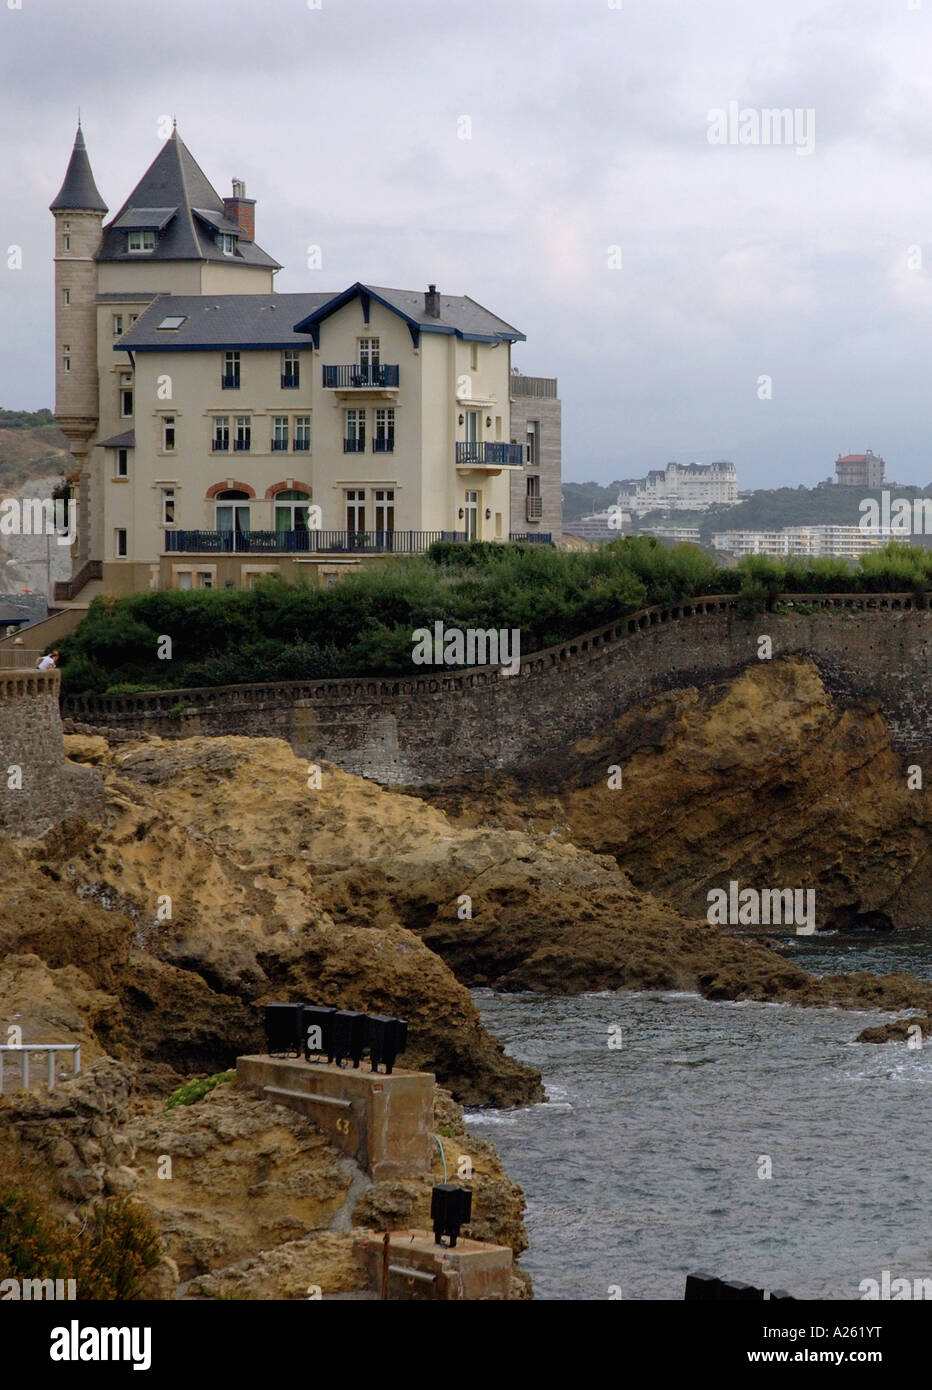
point(429, 727)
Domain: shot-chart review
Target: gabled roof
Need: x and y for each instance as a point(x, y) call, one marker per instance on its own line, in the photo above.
point(79, 191)
point(174, 180)
point(222, 321)
point(458, 314)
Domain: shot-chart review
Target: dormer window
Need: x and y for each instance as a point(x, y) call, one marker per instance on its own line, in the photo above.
point(227, 243)
point(139, 241)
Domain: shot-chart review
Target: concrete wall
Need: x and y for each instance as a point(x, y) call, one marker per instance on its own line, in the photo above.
point(32, 753)
point(546, 413)
point(426, 728)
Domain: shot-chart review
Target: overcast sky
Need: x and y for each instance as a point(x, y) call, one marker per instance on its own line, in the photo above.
point(808, 262)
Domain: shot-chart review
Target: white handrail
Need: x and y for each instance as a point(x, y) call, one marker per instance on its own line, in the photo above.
point(23, 1050)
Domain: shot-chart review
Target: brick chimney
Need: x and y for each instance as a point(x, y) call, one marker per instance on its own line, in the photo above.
point(242, 211)
point(432, 302)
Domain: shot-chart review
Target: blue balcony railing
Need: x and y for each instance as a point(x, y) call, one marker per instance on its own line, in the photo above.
point(354, 446)
point(532, 537)
point(279, 446)
point(301, 446)
point(306, 542)
point(361, 376)
point(220, 446)
point(384, 446)
point(489, 454)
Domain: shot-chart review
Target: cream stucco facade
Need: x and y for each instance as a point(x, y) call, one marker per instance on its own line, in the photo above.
point(224, 431)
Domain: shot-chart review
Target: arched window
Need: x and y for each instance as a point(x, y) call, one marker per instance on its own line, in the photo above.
point(291, 510)
point(232, 510)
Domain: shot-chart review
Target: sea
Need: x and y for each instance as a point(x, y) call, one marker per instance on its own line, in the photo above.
point(756, 1142)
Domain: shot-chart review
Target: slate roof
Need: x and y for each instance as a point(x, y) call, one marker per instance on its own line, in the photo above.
point(79, 191)
point(126, 440)
point(272, 320)
point(174, 180)
point(458, 313)
point(222, 321)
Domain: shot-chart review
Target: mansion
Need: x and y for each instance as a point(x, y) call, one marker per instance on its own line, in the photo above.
point(223, 432)
point(686, 487)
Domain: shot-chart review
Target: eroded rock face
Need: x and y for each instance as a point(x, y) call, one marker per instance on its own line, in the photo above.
point(764, 780)
point(250, 1199)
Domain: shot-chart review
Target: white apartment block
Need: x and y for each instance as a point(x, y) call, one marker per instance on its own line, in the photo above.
point(842, 541)
point(684, 487)
point(225, 432)
point(678, 535)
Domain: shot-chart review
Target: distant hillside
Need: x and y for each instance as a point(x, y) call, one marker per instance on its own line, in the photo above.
point(765, 510)
point(31, 446)
point(581, 499)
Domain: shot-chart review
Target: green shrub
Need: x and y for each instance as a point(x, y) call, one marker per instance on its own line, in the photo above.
point(107, 1256)
point(197, 1088)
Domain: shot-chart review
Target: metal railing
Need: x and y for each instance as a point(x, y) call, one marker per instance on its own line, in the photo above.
point(534, 508)
point(290, 381)
point(229, 381)
point(22, 1051)
point(384, 446)
point(306, 542)
point(354, 446)
point(361, 375)
point(489, 453)
point(534, 386)
point(532, 537)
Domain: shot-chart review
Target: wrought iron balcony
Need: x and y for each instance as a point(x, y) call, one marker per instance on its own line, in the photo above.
point(290, 381)
point(361, 376)
point(301, 446)
point(280, 446)
point(306, 542)
point(220, 446)
point(384, 446)
point(241, 446)
point(489, 454)
point(354, 446)
point(230, 381)
point(532, 537)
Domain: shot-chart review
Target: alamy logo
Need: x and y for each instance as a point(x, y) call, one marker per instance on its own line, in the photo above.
point(887, 1288)
point(37, 516)
point(746, 125)
point(896, 516)
point(753, 907)
point(38, 1289)
point(472, 646)
point(77, 1343)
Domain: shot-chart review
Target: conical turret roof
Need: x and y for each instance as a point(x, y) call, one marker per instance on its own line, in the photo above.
point(79, 191)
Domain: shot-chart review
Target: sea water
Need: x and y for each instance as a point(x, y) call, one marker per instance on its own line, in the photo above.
point(758, 1142)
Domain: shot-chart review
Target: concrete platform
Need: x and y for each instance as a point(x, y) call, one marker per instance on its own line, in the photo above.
point(383, 1122)
point(420, 1269)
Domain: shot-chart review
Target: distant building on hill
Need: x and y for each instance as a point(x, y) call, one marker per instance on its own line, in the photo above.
point(859, 470)
point(677, 535)
point(685, 487)
point(598, 526)
point(841, 541)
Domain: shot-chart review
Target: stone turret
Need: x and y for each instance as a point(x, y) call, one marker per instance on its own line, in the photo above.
point(79, 211)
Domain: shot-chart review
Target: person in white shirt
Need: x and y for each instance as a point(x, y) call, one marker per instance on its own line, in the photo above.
point(48, 662)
